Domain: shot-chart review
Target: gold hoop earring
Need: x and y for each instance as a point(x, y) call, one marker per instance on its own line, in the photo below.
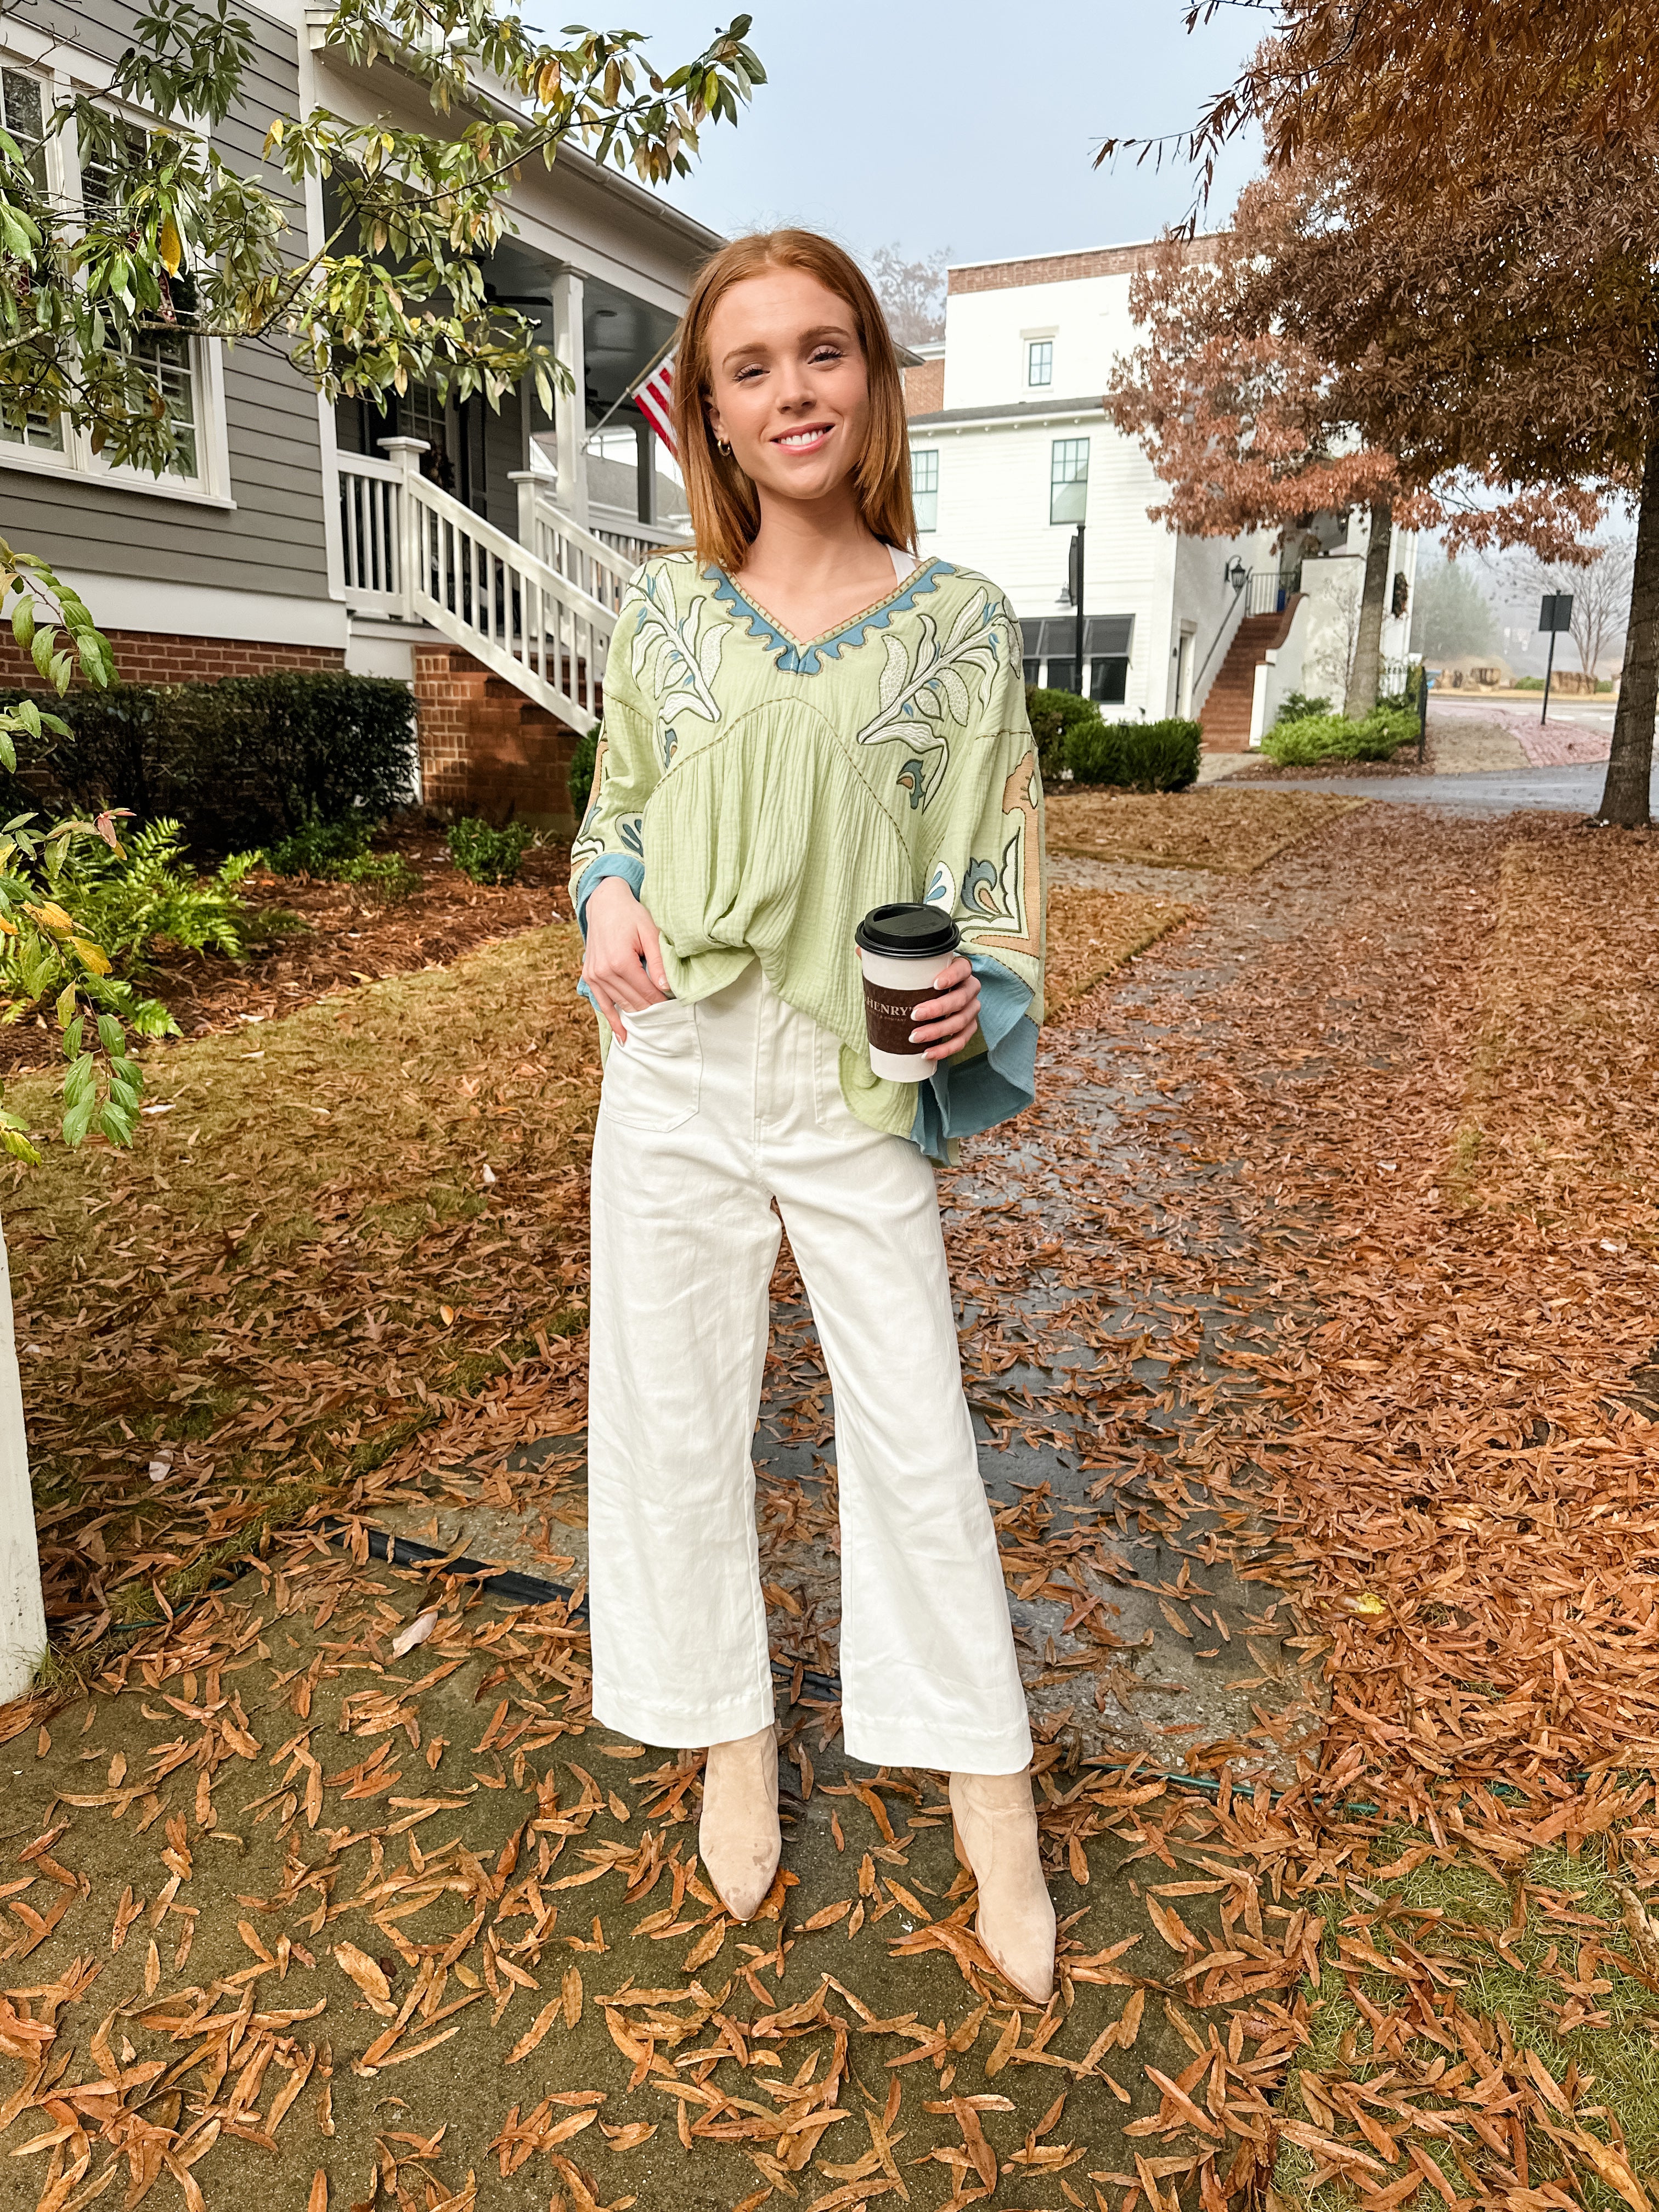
point(724, 447)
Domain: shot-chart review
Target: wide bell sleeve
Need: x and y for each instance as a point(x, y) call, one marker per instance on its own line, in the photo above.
point(626, 771)
point(988, 869)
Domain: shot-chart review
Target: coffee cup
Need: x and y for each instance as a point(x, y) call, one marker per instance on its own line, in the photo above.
point(903, 949)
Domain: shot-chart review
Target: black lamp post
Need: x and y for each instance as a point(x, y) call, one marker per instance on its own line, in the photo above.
point(1074, 581)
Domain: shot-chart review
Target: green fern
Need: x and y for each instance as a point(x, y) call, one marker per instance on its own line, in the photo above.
point(129, 902)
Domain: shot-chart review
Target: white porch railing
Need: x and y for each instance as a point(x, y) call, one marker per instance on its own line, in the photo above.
point(410, 550)
point(594, 568)
point(600, 561)
point(633, 539)
point(371, 534)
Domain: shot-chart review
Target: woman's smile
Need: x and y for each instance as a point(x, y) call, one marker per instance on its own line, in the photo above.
point(806, 438)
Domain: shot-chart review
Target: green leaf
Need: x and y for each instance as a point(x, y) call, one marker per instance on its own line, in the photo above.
point(13, 1139)
point(22, 621)
point(118, 1124)
point(78, 1121)
point(110, 1035)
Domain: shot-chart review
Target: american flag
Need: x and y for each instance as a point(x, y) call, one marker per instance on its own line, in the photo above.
point(655, 401)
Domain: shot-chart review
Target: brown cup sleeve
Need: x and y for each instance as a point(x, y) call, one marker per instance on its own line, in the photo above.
point(889, 1015)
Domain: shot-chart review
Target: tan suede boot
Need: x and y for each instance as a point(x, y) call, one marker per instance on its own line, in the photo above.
point(996, 1834)
point(739, 1838)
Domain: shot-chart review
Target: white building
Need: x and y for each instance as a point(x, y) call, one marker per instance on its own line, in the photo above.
point(1012, 448)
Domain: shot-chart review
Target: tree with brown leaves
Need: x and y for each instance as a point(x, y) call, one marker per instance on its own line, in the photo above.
point(1475, 257)
point(1243, 424)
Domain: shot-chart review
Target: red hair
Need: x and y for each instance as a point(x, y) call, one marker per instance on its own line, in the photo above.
point(725, 506)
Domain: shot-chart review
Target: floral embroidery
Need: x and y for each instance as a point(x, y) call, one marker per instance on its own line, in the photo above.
point(588, 842)
point(796, 659)
point(677, 656)
point(917, 690)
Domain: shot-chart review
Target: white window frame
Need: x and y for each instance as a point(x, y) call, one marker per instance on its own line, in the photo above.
point(1028, 339)
point(65, 72)
point(1056, 483)
point(930, 453)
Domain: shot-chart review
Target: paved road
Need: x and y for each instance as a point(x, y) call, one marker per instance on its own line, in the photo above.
point(1570, 790)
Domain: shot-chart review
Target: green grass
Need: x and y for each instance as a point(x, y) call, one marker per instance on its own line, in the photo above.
point(1456, 1910)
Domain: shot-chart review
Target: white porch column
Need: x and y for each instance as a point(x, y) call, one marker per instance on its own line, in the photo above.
point(23, 1607)
point(570, 408)
point(406, 452)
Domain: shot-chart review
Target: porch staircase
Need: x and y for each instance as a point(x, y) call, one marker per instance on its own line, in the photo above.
point(1225, 714)
point(519, 629)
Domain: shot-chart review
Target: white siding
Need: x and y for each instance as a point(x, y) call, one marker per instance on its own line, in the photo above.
point(985, 335)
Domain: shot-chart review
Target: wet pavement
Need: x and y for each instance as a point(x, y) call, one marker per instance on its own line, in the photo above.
point(1572, 790)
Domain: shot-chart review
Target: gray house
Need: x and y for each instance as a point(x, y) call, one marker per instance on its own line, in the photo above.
point(478, 554)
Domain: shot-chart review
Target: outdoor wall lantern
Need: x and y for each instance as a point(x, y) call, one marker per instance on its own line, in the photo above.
point(1236, 574)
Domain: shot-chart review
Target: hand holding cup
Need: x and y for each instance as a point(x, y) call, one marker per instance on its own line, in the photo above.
point(920, 999)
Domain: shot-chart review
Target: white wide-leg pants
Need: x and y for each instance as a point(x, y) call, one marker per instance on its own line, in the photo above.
point(710, 1113)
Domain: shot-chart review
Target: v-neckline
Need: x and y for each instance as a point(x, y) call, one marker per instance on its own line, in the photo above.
point(901, 586)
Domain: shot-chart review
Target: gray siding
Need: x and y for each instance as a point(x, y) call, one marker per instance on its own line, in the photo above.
point(273, 541)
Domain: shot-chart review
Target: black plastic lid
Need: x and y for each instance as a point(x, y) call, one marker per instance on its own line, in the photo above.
point(908, 932)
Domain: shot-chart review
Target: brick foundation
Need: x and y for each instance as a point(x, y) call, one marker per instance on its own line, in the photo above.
point(486, 749)
point(153, 657)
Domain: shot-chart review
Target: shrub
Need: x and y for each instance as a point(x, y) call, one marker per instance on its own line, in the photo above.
point(583, 762)
point(337, 853)
point(235, 763)
point(1297, 706)
point(1136, 756)
point(1333, 737)
point(1053, 716)
point(385, 876)
point(487, 855)
point(127, 901)
point(320, 849)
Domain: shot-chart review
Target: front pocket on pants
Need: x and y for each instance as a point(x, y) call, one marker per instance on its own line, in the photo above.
point(653, 1081)
point(830, 1110)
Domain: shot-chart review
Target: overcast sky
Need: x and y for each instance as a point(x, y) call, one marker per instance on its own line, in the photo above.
point(964, 127)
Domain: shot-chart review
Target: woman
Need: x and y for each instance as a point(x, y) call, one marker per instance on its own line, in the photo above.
point(802, 721)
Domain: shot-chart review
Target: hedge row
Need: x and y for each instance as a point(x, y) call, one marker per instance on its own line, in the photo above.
point(1075, 743)
point(1136, 756)
point(238, 763)
point(1300, 740)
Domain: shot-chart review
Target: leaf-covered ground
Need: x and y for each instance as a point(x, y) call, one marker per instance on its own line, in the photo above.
point(1322, 1275)
point(1232, 832)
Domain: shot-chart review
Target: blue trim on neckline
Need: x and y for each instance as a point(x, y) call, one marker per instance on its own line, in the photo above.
point(795, 660)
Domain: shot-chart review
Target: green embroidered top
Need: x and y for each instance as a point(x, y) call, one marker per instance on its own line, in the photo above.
point(761, 795)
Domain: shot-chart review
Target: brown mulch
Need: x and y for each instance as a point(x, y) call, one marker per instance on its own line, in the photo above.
point(1231, 832)
point(1267, 771)
point(350, 936)
point(1092, 931)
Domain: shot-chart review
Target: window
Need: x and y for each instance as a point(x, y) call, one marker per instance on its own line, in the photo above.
point(184, 370)
point(22, 116)
point(1107, 641)
point(165, 355)
point(924, 488)
point(1068, 480)
point(1109, 681)
point(1039, 363)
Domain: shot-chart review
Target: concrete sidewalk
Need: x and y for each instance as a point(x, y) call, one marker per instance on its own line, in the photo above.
point(1568, 790)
